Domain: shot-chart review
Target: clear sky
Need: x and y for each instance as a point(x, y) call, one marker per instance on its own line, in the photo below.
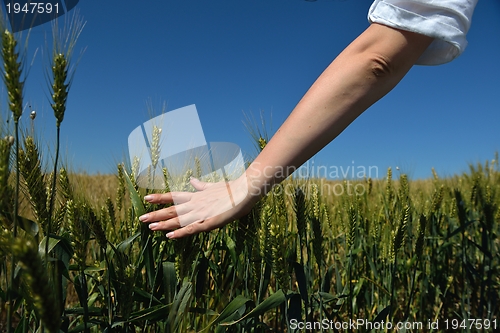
point(237, 57)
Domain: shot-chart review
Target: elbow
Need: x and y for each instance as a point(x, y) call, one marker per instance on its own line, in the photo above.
point(380, 66)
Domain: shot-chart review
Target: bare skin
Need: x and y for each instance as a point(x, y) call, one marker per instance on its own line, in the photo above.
point(364, 72)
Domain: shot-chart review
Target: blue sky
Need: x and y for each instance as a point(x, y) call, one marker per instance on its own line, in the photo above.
point(239, 57)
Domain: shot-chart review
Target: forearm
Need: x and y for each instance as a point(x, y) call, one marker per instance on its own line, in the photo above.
point(362, 74)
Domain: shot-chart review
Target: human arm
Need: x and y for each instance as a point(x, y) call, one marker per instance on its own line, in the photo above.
point(363, 73)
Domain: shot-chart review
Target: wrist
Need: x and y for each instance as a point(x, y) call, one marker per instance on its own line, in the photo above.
point(258, 180)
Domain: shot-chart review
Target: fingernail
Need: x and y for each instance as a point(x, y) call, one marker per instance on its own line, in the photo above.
point(170, 234)
point(148, 197)
point(152, 225)
point(144, 217)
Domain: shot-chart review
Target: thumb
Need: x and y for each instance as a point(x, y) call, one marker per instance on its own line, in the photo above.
point(198, 184)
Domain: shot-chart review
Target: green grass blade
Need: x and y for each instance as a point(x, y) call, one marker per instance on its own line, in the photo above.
point(124, 245)
point(269, 303)
point(238, 302)
point(301, 280)
point(152, 314)
point(134, 196)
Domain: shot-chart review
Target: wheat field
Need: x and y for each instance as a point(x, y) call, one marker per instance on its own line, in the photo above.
point(400, 255)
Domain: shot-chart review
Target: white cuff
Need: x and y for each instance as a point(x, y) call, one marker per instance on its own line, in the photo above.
point(448, 21)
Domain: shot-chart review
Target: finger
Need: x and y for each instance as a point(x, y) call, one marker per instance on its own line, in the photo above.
point(168, 225)
point(199, 185)
point(189, 230)
point(170, 197)
point(196, 227)
point(164, 214)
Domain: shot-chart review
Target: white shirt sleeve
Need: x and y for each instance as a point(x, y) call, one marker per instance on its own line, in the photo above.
point(448, 21)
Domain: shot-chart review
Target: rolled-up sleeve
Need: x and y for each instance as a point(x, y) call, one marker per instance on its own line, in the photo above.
point(448, 21)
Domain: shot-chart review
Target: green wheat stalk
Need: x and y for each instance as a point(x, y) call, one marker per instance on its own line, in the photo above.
point(34, 180)
point(13, 64)
point(277, 239)
point(60, 82)
point(5, 147)
point(301, 220)
point(389, 191)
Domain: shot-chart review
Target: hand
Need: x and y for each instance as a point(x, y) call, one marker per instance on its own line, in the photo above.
point(212, 206)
